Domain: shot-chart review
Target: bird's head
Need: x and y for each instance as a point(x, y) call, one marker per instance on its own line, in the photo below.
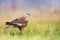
point(26, 14)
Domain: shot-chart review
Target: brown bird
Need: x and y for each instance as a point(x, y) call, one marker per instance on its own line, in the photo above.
point(19, 23)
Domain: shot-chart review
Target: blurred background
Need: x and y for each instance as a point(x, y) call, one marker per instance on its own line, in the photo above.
point(41, 9)
point(44, 23)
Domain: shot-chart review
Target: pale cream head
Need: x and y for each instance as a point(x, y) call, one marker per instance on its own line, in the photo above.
point(26, 14)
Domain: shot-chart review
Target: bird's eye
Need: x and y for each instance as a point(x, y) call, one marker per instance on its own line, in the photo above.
point(28, 14)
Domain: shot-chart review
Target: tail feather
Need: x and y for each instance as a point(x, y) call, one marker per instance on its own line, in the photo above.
point(8, 23)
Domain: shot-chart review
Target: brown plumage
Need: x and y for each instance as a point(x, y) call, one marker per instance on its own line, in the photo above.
point(20, 23)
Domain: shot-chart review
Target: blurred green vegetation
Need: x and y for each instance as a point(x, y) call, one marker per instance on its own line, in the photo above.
point(35, 30)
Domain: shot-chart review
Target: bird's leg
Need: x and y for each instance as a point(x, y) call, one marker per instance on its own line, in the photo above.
point(21, 32)
point(21, 28)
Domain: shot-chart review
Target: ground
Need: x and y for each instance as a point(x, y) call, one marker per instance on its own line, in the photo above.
point(36, 30)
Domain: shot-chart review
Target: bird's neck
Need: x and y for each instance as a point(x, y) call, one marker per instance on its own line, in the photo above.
point(25, 18)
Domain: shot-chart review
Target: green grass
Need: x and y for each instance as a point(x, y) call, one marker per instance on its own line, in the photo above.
point(36, 30)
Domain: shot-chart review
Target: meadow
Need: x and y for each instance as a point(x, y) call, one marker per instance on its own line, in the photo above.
point(43, 25)
point(35, 30)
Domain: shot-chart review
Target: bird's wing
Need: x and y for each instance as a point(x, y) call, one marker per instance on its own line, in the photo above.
point(15, 21)
point(20, 21)
point(18, 24)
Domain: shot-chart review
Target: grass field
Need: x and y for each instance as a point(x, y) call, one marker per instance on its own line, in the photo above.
point(36, 30)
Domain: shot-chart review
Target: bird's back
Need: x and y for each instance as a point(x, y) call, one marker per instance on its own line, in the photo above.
point(20, 20)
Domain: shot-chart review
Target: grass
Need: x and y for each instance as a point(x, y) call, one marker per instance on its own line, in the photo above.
point(36, 30)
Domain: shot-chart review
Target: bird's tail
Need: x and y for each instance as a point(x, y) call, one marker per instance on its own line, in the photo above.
point(6, 27)
point(8, 23)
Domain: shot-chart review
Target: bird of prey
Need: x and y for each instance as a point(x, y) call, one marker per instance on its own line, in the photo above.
point(19, 23)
